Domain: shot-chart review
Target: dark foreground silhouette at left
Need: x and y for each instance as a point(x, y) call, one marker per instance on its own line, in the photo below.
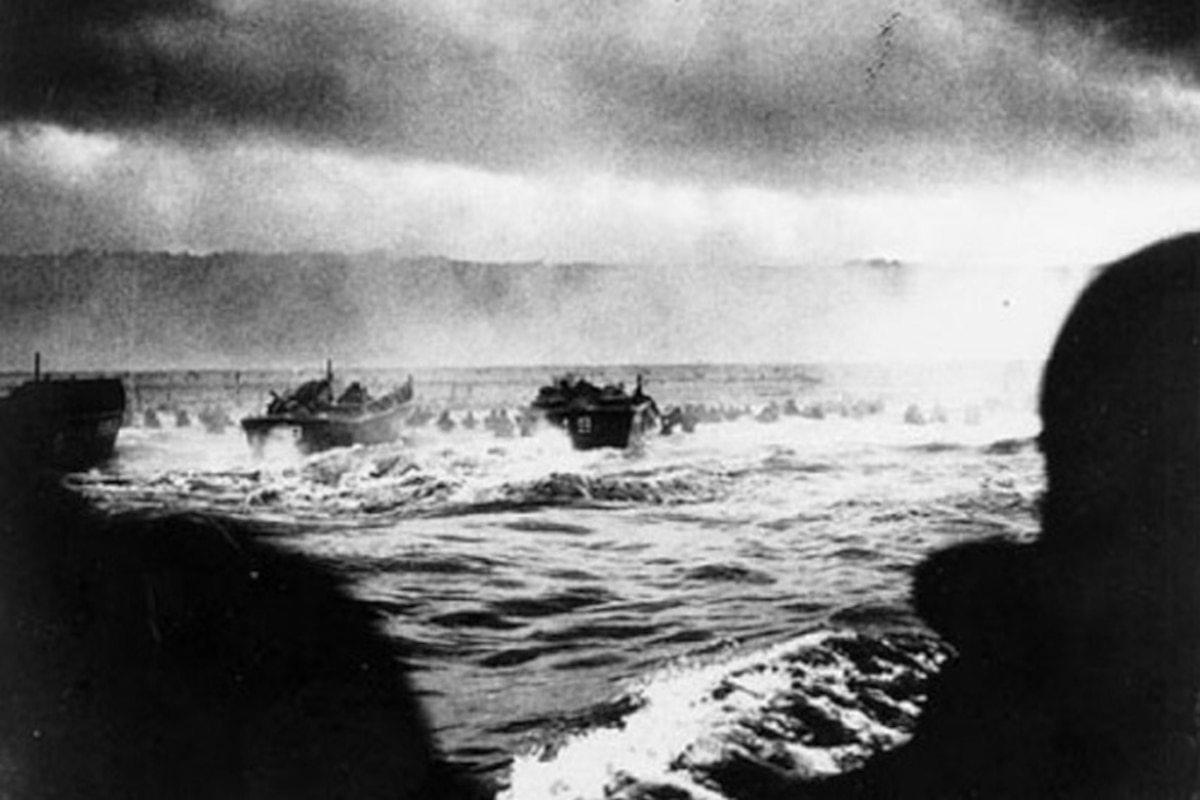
point(180, 656)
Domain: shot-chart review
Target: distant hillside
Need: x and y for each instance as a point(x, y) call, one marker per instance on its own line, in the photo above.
point(138, 310)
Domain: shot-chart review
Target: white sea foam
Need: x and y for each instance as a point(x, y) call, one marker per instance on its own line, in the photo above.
point(691, 718)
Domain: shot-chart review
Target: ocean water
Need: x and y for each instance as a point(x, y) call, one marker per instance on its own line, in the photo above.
point(603, 623)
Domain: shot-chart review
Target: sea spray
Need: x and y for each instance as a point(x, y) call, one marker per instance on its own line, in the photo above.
point(813, 706)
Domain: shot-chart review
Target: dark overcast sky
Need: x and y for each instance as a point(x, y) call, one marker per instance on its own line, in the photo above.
point(634, 130)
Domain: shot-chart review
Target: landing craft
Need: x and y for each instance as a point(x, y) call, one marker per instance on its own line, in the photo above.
point(319, 422)
point(596, 417)
point(65, 424)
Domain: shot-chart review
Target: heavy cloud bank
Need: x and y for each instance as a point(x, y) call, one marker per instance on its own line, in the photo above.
point(200, 124)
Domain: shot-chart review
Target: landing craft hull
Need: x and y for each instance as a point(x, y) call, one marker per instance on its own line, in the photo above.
point(316, 422)
point(67, 425)
point(596, 416)
point(594, 426)
point(86, 440)
point(319, 432)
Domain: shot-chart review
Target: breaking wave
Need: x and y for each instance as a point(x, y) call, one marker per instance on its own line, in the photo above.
point(814, 706)
point(393, 480)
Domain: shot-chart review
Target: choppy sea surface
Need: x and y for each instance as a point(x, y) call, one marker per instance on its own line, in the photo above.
point(609, 622)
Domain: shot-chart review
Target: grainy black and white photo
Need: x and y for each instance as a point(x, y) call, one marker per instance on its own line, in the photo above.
point(599, 399)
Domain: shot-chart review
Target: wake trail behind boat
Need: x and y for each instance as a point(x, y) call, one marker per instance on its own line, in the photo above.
point(817, 705)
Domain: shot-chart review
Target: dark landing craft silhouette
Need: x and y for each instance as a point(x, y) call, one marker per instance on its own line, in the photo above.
point(1078, 665)
point(65, 424)
point(596, 417)
point(318, 421)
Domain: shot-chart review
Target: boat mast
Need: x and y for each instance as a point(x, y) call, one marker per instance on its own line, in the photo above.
point(37, 366)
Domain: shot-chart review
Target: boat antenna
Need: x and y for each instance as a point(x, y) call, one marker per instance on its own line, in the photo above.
point(37, 366)
point(329, 370)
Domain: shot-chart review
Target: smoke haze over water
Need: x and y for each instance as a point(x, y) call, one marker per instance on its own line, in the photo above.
point(94, 311)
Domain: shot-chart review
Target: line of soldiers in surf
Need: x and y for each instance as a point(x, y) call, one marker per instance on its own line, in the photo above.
point(506, 423)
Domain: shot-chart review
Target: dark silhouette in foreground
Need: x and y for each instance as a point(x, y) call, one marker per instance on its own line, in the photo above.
point(67, 423)
point(180, 656)
point(1079, 654)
